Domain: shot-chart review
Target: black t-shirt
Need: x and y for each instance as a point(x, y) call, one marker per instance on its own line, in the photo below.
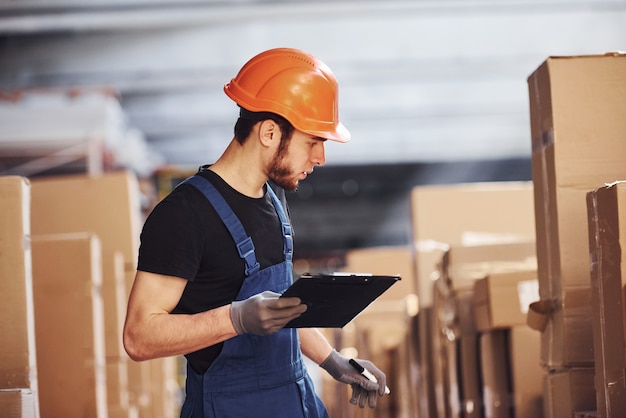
point(184, 237)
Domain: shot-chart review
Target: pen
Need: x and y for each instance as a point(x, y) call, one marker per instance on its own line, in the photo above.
point(366, 373)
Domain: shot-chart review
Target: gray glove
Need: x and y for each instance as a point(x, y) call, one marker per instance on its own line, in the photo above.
point(264, 313)
point(363, 389)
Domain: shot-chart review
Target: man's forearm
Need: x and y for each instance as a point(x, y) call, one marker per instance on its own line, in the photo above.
point(165, 334)
point(314, 345)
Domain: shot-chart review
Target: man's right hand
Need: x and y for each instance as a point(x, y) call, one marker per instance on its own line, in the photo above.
point(264, 313)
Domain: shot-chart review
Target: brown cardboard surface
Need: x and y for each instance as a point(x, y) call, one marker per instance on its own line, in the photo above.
point(577, 128)
point(382, 332)
point(379, 355)
point(587, 414)
point(467, 214)
point(501, 300)
point(387, 327)
point(426, 257)
point(455, 344)
point(471, 393)
point(498, 211)
point(438, 339)
point(454, 319)
point(18, 362)
point(69, 325)
point(511, 374)
point(163, 376)
point(426, 383)
point(566, 342)
point(18, 403)
point(404, 378)
point(116, 359)
point(607, 237)
point(569, 391)
point(391, 260)
point(461, 345)
point(495, 374)
point(107, 205)
point(526, 372)
point(461, 266)
point(454, 372)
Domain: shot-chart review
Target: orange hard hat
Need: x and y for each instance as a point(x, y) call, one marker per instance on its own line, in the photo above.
point(294, 85)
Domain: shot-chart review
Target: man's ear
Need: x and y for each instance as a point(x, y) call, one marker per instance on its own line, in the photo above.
point(269, 132)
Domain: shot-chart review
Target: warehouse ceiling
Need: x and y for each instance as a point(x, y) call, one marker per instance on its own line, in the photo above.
point(422, 82)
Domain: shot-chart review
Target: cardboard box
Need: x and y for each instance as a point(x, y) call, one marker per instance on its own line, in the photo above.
point(426, 383)
point(607, 238)
point(109, 206)
point(438, 339)
point(459, 215)
point(568, 392)
point(495, 374)
point(459, 269)
point(461, 266)
point(577, 128)
point(69, 325)
point(467, 214)
point(18, 403)
point(466, 356)
point(564, 326)
point(391, 260)
point(18, 362)
point(471, 393)
point(501, 300)
point(114, 288)
point(452, 332)
point(427, 256)
point(383, 331)
point(403, 377)
point(511, 373)
point(526, 372)
point(473, 213)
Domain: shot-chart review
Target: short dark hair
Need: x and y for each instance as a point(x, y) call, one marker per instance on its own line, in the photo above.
point(248, 119)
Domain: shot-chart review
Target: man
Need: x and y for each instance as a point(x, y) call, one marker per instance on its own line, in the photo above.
point(216, 254)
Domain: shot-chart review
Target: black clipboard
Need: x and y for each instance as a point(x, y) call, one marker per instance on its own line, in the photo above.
point(335, 299)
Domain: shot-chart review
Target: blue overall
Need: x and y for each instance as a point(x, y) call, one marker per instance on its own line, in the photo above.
point(253, 376)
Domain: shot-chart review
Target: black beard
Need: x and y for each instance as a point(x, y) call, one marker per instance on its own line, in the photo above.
point(282, 176)
point(279, 173)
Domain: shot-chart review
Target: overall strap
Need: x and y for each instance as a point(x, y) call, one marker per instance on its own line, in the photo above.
point(244, 243)
point(284, 220)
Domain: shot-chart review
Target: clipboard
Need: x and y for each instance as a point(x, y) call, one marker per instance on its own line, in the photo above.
point(335, 299)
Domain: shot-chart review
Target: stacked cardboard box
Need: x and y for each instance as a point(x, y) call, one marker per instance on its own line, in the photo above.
point(607, 240)
point(569, 392)
point(463, 388)
point(510, 363)
point(69, 325)
point(456, 216)
point(18, 362)
point(501, 300)
point(577, 127)
point(108, 206)
point(384, 333)
point(510, 372)
point(466, 214)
